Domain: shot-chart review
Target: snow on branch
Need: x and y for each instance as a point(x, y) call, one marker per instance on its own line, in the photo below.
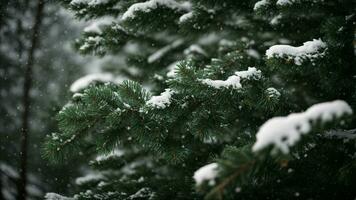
point(234, 81)
point(260, 4)
point(172, 69)
point(91, 42)
point(206, 173)
point(284, 132)
point(285, 2)
point(309, 50)
point(53, 196)
point(143, 193)
point(89, 178)
point(186, 17)
point(97, 25)
point(263, 3)
point(250, 73)
point(85, 81)
point(113, 154)
point(148, 6)
point(89, 2)
point(273, 93)
point(194, 48)
point(161, 101)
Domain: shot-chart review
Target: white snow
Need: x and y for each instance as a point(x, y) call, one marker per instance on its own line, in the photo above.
point(186, 5)
point(89, 2)
point(238, 189)
point(75, 96)
point(163, 51)
point(73, 2)
point(161, 101)
point(194, 48)
point(234, 81)
point(284, 132)
point(142, 193)
point(206, 173)
point(97, 25)
point(113, 154)
point(275, 20)
point(95, 39)
point(228, 43)
point(284, 2)
point(88, 178)
point(253, 53)
point(309, 50)
point(97, 2)
point(209, 38)
point(91, 41)
point(273, 92)
point(53, 196)
point(85, 81)
point(186, 17)
point(84, 46)
point(172, 69)
point(131, 47)
point(151, 5)
point(250, 73)
point(260, 4)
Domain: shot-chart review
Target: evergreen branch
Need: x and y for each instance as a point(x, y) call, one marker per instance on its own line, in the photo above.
point(218, 190)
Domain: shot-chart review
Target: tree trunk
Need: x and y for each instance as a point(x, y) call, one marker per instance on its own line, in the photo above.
point(1, 194)
point(26, 101)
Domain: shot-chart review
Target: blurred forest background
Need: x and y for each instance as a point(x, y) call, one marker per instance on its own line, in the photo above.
point(55, 66)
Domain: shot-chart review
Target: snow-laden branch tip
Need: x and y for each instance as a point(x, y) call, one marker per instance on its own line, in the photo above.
point(89, 2)
point(117, 153)
point(263, 3)
point(206, 173)
point(97, 25)
point(253, 53)
point(172, 69)
point(250, 73)
point(85, 81)
point(162, 101)
point(143, 193)
point(195, 48)
point(150, 5)
point(284, 132)
point(89, 178)
point(91, 41)
point(276, 20)
point(309, 50)
point(53, 196)
point(234, 81)
point(273, 93)
point(284, 2)
point(186, 17)
point(260, 4)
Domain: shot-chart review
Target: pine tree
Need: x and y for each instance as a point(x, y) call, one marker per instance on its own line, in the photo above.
point(249, 99)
